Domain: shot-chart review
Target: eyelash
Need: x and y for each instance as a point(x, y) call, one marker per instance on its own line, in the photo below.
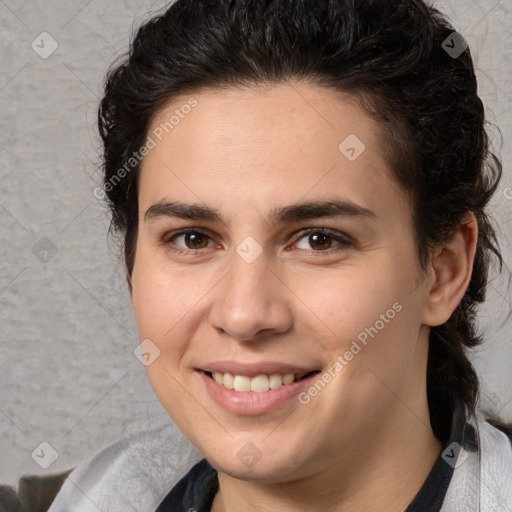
point(343, 241)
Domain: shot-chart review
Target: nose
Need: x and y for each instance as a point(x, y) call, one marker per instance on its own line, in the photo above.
point(252, 302)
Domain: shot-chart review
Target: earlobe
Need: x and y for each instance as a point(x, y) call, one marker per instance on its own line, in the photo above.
point(451, 268)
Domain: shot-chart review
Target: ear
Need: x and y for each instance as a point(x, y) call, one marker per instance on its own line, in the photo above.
point(450, 272)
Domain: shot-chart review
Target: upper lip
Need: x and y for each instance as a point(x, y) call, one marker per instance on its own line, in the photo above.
point(254, 369)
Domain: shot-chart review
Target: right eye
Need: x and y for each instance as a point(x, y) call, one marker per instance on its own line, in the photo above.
point(193, 239)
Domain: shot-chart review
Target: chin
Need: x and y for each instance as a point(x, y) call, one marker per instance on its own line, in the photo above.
point(249, 463)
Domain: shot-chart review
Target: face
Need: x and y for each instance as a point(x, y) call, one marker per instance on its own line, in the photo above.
point(273, 246)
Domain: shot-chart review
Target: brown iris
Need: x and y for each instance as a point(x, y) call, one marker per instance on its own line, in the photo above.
point(315, 237)
point(196, 238)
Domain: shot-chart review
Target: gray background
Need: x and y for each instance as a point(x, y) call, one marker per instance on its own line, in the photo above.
point(67, 369)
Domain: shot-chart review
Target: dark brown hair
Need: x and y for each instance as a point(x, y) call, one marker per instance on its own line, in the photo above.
point(392, 55)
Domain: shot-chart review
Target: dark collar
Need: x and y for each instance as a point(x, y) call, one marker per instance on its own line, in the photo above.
point(194, 492)
point(462, 436)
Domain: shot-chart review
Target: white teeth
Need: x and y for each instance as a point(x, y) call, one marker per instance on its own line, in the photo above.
point(229, 381)
point(275, 381)
point(258, 384)
point(288, 378)
point(242, 383)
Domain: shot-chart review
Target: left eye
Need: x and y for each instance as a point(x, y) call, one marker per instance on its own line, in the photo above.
point(195, 240)
point(323, 239)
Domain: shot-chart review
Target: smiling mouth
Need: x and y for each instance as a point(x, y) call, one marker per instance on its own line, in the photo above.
point(259, 383)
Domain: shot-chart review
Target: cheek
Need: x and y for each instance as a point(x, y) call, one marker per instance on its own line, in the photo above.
point(160, 298)
point(368, 317)
point(159, 303)
point(343, 305)
point(169, 306)
point(160, 306)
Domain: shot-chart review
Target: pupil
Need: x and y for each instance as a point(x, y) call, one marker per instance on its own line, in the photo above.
point(194, 238)
point(313, 238)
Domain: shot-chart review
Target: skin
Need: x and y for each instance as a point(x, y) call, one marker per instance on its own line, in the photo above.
point(365, 441)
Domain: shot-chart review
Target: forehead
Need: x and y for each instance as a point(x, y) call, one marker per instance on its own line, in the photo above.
point(301, 114)
point(289, 139)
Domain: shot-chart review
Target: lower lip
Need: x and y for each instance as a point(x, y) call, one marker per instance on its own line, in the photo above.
point(249, 402)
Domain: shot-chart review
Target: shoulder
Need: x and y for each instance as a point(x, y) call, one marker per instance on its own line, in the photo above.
point(496, 465)
point(506, 428)
point(482, 476)
point(134, 473)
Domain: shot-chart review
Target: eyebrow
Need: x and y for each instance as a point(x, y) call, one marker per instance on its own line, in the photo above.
point(283, 214)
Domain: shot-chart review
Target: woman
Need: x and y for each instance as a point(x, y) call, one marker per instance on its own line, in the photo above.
point(302, 187)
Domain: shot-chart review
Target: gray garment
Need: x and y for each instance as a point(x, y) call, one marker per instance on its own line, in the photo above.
point(482, 480)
